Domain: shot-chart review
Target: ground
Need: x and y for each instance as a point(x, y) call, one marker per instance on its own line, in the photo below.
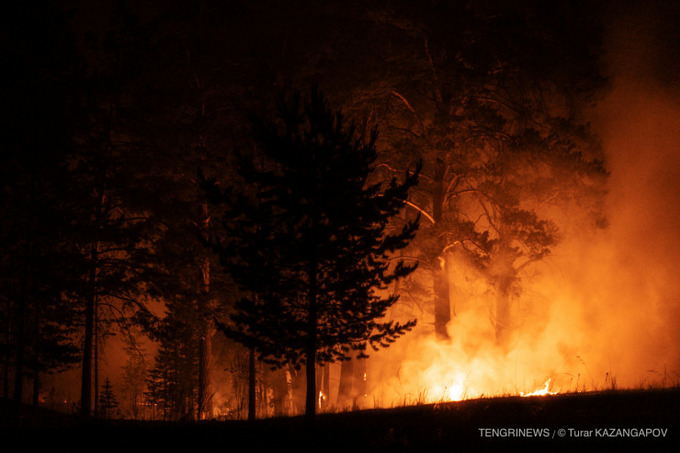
point(644, 420)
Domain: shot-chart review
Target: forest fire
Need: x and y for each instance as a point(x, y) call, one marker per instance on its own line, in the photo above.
point(482, 203)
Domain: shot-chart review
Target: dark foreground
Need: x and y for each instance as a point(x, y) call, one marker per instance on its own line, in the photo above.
point(642, 420)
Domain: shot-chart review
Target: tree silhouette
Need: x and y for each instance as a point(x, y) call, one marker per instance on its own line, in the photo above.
point(308, 241)
point(107, 400)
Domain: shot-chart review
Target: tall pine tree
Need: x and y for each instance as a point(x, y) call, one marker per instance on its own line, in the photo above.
point(308, 241)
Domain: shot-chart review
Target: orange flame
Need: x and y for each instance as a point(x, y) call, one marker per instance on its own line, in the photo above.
point(541, 392)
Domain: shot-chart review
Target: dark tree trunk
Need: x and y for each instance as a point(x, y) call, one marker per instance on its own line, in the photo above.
point(204, 344)
point(95, 364)
point(442, 304)
point(22, 306)
point(36, 387)
point(20, 346)
point(252, 394)
point(5, 377)
point(36, 354)
point(203, 364)
point(90, 309)
point(86, 377)
point(310, 359)
point(6, 357)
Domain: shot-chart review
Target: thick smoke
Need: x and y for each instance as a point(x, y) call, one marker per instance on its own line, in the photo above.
point(639, 122)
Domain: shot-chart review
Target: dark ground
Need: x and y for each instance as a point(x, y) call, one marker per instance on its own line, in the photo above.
point(459, 426)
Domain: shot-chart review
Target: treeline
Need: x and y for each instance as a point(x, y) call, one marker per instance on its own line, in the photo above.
point(136, 187)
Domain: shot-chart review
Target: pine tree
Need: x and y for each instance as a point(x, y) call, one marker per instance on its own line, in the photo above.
point(107, 400)
point(172, 383)
point(308, 241)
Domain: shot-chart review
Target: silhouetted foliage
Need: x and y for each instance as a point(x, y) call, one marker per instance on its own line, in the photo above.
point(108, 404)
point(308, 240)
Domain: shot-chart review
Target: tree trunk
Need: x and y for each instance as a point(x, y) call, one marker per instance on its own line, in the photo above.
point(205, 340)
point(86, 377)
point(36, 386)
point(20, 345)
point(310, 359)
point(442, 304)
point(503, 300)
point(90, 308)
point(345, 390)
point(251, 385)
point(36, 354)
point(5, 377)
point(360, 384)
point(6, 357)
point(297, 390)
point(505, 276)
point(203, 382)
point(22, 306)
point(95, 364)
point(323, 385)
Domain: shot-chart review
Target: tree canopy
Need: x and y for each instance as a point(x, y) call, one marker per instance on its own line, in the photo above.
point(309, 242)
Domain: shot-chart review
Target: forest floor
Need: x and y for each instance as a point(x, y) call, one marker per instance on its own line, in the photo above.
point(644, 420)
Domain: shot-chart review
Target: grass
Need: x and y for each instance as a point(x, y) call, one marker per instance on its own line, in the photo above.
point(440, 426)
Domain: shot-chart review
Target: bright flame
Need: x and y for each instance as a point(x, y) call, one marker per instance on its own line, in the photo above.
point(321, 399)
point(541, 392)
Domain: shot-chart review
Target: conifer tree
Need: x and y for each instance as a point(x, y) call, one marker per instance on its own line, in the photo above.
point(308, 242)
point(172, 382)
point(107, 400)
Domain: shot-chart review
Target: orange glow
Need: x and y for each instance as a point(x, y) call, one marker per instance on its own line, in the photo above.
point(589, 319)
point(601, 312)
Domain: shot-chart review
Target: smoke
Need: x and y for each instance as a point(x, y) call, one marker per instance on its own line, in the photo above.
point(604, 310)
point(639, 308)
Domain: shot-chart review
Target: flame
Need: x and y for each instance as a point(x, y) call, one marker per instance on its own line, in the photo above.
point(541, 392)
point(321, 399)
